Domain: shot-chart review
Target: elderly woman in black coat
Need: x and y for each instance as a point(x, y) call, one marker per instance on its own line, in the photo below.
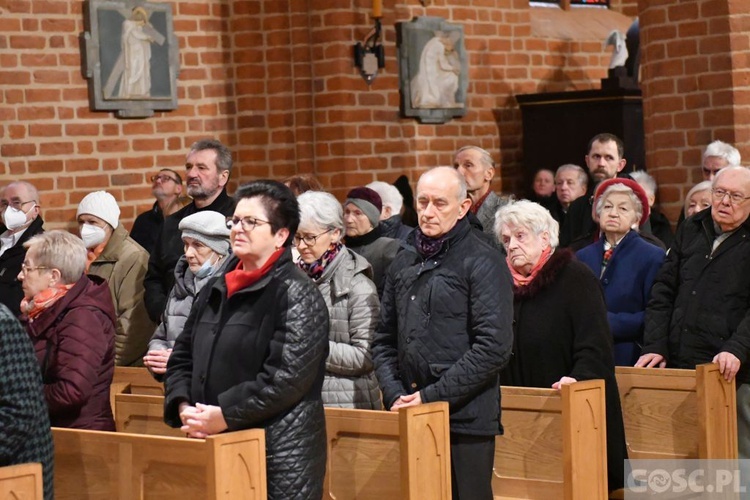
point(253, 351)
point(560, 325)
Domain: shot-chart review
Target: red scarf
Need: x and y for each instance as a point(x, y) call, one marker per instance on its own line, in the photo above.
point(238, 278)
point(93, 253)
point(44, 299)
point(521, 280)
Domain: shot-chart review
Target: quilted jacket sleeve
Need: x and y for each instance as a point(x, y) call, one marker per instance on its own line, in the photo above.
point(180, 365)
point(354, 358)
point(80, 354)
point(133, 324)
point(19, 380)
point(491, 302)
point(663, 296)
point(385, 343)
point(296, 354)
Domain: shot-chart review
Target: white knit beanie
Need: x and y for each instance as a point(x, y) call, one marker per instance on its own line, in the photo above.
point(100, 204)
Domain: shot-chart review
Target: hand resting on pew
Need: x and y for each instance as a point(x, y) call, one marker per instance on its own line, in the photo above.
point(563, 381)
point(651, 360)
point(201, 421)
point(728, 363)
point(407, 400)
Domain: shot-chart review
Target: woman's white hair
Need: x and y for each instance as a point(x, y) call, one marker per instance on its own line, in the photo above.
point(321, 209)
point(701, 186)
point(533, 216)
point(59, 250)
point(620, 188)
point(389, 195)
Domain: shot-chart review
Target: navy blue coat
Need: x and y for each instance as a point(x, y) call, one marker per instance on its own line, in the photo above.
point(627, 283)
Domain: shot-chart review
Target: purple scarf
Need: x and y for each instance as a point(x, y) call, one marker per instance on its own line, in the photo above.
point(315, 269)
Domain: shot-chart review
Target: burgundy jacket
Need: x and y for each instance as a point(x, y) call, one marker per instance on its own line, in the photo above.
point(74, 342)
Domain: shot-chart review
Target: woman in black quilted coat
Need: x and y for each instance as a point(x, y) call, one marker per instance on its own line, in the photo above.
point(253, 351)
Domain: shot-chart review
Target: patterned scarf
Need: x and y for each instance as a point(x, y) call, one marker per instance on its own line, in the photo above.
point(521, 280)
point(238, 278)
point(428, 247)
point(315, 269)
point(43, 300)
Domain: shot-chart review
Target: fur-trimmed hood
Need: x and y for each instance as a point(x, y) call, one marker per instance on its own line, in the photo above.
point(560, 258)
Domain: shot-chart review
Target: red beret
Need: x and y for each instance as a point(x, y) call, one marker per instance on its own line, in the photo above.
point(634, 186)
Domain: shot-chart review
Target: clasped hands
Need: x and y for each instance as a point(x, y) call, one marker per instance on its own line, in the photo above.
point(201, 421)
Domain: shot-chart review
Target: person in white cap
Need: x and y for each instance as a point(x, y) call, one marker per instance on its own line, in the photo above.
point(206, 238)
point(117, 258)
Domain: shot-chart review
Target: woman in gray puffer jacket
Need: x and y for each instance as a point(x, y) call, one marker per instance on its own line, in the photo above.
point(344, 278)
point(206, 240)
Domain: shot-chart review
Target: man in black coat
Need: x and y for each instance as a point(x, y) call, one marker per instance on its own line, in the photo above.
point(445, 328)
point(699, 310)
point(207, 170)
point(21, 220)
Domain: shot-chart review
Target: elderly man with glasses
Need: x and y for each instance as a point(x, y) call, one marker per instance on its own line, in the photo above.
point(166, 186)
point(19, 202)
point(700, 302)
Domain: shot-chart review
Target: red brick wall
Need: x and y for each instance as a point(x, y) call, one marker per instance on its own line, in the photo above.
point(275, 81)
point(695, 89)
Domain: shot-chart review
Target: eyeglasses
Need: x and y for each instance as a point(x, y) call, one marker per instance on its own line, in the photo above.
point(248, 223)
point(27, 269)
point(735, 198)
point(163, 178)
point(17, 204)
point(309, 240)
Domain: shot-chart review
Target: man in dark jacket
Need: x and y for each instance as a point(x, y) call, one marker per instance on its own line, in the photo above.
point(207, 170)
point(699, 310)
point(21, 220)
point(445, 328)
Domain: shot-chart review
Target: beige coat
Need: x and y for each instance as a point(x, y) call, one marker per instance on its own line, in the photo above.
point(123, 263)
point(353, 309)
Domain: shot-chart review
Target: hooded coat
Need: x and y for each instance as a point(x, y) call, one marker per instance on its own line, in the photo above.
point(74, 340)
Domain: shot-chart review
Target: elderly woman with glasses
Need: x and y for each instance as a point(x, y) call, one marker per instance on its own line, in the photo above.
point(253, 351)
point(71, 321)
point(560, 321)
point(625, 263)
point(344, 279)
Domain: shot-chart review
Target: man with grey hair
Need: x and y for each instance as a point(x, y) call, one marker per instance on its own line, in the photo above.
point(716, 156)
point(571, 182)
point(207, 169)
point(445, 328)
point(661, 229)
point(390, 225)
point(19, 202)
point(699, 312)
point(478, 168)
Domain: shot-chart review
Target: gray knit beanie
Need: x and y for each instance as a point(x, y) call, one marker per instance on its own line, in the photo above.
point(367, 200)
point(208, 227)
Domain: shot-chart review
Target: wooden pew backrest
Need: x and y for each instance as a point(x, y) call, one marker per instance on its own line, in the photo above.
point(110, 465)
point(379, 454)
point(554, 444)
point(22, 481)
point(671, 413)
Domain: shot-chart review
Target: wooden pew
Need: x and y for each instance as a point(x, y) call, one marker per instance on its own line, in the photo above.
point(138, 378)
point(112, 465)
point(554, 444)
point(379, 454)
point(21, 481)
point(371, 454)
point(670, 413)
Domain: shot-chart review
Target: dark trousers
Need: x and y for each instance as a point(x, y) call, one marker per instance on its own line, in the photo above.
point(472, 458)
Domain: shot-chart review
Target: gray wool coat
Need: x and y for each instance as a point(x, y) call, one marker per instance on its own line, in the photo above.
point(353, 309)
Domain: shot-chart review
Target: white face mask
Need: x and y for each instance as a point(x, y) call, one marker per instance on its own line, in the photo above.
point(207, 269)
point(14, 218)
point(92, 235)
